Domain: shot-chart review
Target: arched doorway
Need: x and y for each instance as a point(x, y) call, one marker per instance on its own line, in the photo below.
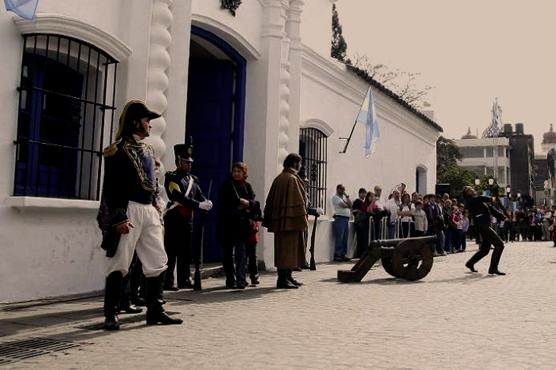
point(215, 118)
point(421, 180)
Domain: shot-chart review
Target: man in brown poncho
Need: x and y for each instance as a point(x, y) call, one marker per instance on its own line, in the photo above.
point(285, 215)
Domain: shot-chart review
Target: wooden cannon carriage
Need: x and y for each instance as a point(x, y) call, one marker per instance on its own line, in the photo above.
point(410, 259)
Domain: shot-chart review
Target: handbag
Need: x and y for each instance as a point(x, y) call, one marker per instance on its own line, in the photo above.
point(253, 234)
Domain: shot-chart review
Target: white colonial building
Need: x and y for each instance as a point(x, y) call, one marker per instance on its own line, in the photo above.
point(251, 86)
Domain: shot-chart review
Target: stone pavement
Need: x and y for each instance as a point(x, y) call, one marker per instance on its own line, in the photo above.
point(452, 319)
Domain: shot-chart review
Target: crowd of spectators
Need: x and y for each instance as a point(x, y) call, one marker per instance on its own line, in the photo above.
point(400, 214)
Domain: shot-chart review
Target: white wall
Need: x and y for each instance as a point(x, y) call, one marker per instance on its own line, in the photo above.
point(243, 31)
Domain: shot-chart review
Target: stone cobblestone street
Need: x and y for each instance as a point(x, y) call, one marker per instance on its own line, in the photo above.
point(452, 319)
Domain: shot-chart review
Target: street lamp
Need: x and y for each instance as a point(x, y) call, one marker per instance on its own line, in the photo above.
point(490, 181)
point(477, 181)
point(508, 190)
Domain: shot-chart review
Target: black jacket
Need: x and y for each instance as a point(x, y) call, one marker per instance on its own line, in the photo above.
point(481, 211)
point(233, 223)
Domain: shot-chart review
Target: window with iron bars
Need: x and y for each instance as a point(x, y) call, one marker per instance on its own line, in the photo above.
point(66, 116)
point(313, 149)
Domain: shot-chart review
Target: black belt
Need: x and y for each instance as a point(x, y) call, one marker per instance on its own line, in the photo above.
point(341, 216)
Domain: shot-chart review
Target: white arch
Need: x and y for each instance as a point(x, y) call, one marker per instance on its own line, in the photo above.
point(225, 32)
point(319, 124)
point(63, 25)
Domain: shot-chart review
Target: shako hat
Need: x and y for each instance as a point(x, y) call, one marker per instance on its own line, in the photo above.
point(184, 151)
point(133, 110)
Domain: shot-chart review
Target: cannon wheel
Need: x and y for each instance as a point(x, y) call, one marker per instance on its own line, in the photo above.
point(412, 260)
point(386, 260)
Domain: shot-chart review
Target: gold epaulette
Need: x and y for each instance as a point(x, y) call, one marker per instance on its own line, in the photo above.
point(110, 150)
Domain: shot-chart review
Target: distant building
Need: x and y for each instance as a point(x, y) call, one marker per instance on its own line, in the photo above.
point(486, 156)
point(544, 170)
point(521, 159)
point(508, 157)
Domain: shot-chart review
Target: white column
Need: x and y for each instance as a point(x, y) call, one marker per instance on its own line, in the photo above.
point(177, 73)
point(293, 25)
point(157, 71)
point(273, 95)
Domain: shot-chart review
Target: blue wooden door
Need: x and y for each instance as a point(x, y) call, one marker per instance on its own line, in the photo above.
point(209, 122)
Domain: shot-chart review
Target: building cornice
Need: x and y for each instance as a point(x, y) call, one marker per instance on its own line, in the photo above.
point(48, 23)
point(334, 76)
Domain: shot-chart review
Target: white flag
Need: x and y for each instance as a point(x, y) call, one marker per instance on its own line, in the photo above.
point(24, 8)
point(367, 116)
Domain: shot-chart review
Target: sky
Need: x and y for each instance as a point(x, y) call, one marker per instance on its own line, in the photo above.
point(470, 52)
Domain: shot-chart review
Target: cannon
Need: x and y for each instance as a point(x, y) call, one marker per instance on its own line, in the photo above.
point(410, 259)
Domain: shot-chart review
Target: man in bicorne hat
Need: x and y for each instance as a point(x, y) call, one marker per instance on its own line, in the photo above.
point(185, 196)
point(130, 194)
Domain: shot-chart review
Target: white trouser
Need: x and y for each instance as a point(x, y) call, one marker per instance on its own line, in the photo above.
point(145, 238)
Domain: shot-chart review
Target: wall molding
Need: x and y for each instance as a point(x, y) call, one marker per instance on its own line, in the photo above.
point(225, 32)
point(49, 23)
point(318, 124)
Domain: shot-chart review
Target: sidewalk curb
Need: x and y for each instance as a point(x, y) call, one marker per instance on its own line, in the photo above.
point(209, 271)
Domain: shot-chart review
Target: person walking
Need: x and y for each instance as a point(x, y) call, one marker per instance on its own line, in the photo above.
point(481, 213)
point(185, 197)
point(341, 205)
point(285, 215)
point(131, 222)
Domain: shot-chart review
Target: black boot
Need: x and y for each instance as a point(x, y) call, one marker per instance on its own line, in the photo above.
point(111, 300)
point(283, 282)
point(254, 279)
point(495, 260)
point(292, 280)
point(470, 266)
point(126, 295)
point(155, 311)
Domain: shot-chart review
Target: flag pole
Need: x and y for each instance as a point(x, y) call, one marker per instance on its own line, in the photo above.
point(348, 139)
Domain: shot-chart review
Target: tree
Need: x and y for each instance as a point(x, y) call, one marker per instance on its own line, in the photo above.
point(447, 153)
point(339, 45)
point(405, 84)
point(447, 169)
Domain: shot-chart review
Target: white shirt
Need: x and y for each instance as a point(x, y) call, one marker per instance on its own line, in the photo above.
point(393, 207)
point(339, 205)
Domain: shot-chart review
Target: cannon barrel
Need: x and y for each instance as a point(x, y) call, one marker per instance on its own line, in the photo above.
point(394, 242)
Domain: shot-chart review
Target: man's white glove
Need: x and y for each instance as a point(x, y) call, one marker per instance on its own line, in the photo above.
point(205, 205)
point(320, 211)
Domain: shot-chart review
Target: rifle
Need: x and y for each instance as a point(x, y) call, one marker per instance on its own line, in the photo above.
point(312, 264)
point(199, 249)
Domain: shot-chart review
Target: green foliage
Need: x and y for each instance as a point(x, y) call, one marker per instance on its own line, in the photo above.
point(339, 45)
point(447, 153)
point(447, 169)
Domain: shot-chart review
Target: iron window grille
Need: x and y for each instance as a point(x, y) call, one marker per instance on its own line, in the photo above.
point(66, 116)
point(313, 149)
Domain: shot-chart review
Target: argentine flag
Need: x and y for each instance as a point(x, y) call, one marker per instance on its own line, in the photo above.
point(367, 116)
point(24, 8)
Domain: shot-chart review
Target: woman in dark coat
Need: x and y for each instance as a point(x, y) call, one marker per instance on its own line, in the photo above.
point(238, 211)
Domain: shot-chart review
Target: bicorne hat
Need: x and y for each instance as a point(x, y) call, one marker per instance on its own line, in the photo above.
point(133, 110)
